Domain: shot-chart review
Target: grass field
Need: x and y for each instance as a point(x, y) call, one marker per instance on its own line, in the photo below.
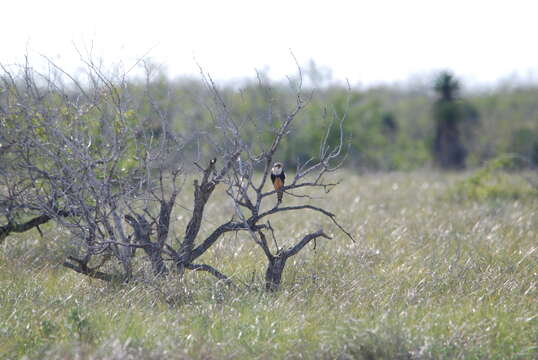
point(431, 275)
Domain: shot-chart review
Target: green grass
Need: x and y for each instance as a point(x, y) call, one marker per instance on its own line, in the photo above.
point(430, 276)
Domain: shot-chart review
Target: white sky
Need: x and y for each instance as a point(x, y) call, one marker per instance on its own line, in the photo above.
point(367, 42)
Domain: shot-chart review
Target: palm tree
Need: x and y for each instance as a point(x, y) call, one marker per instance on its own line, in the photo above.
point(448, 150)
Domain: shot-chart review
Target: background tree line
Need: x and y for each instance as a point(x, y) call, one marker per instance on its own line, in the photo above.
point(390, 127)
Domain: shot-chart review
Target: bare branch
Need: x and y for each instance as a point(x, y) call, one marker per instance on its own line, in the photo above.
point(305, 240)
point(83, 268)
point(202, 192)
point(211, 270)
point(104, 150)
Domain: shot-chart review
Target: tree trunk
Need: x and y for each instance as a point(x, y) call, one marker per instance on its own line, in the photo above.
point(157, 263)
point(273, 275)
point(142, 231)
point(450, 151)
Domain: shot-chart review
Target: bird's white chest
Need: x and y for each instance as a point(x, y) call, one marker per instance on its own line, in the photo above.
point(276, 171)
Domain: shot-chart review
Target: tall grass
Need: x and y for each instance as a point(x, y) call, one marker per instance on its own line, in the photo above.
point(430, 276)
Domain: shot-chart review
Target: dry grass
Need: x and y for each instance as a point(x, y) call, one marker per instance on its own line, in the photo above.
point(429, 277)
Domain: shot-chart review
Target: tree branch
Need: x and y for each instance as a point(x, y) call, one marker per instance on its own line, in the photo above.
point(83, 268)
point(332, 216)
point(211, 270)
point(202, 192)
point(10, 227)
point(214, 236)
point(301, 244)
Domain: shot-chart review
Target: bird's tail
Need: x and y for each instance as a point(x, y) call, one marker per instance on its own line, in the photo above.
point(279, 195)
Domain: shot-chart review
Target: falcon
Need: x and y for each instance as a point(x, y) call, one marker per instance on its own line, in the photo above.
point(278, 177)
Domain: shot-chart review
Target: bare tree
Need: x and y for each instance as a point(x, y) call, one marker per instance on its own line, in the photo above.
point(77, 152)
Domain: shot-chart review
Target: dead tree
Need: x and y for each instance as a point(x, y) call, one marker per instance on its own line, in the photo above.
point(248, 193)
point(79, 155)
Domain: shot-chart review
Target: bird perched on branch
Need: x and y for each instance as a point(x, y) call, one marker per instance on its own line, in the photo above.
point(278, 177)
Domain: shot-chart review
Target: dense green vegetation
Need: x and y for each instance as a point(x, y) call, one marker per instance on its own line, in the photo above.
point(388, 127)
point(435, 273)
point(391, 128)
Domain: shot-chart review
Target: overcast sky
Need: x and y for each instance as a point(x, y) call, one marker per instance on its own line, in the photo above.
point(367, 42)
